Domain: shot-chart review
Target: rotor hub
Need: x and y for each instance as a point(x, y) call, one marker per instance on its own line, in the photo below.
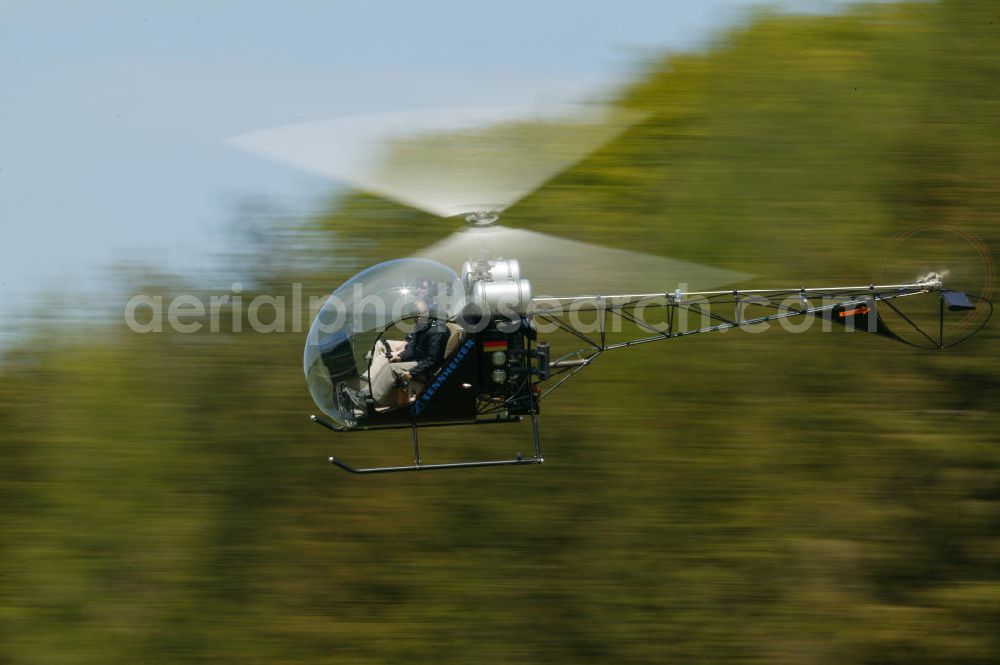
point(482, 218)
point(931, 279)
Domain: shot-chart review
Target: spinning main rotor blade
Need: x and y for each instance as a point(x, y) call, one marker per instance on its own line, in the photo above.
point(474, 160)
point(560, 267)
point(447, 161)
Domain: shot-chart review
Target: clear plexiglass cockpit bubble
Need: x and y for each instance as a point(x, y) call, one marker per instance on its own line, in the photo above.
point(355, 316)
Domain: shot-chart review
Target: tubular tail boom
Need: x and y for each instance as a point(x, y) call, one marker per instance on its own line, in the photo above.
point(853, 304)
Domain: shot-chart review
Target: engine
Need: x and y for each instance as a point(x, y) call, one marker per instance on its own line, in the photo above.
point(495, 289)
point(498, 309)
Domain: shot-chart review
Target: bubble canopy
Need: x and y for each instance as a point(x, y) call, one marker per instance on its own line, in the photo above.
point(354, 317)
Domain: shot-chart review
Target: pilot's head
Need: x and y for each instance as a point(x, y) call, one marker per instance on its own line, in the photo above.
point(417, 313)
point(422, 311)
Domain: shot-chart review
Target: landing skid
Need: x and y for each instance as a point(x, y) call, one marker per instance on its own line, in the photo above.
point(519, 461)
point(418, 464)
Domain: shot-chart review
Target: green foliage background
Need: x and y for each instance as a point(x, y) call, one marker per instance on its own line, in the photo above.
point(735, 498)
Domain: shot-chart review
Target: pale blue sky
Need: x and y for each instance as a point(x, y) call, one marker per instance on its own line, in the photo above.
point(113, 114)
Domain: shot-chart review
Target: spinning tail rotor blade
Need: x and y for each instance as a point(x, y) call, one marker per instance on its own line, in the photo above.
point(959, 257)
point(445, 161)
point(560, 267)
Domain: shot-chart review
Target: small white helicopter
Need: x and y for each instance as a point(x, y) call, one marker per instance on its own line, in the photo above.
point(493, 368)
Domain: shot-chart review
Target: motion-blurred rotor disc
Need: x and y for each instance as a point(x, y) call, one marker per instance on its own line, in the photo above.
point(560, 267)
point(962, 260)
point(446, 161)
point(482, 160)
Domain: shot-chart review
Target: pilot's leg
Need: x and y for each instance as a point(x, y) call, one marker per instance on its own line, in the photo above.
point(384, 382)
point(380, 362)
point(380, 359)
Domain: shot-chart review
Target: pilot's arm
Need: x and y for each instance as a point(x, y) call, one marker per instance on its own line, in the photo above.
point(408, 351)
point(437, 340)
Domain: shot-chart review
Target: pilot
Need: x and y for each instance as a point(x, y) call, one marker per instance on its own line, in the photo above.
point(421, 354)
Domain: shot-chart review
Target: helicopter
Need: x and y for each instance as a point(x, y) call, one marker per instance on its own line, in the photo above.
point(496, 367)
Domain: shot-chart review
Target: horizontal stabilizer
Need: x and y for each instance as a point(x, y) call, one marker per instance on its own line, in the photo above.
point(957, 301)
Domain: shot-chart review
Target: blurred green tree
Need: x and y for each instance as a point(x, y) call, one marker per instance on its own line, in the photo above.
point(750, 499)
